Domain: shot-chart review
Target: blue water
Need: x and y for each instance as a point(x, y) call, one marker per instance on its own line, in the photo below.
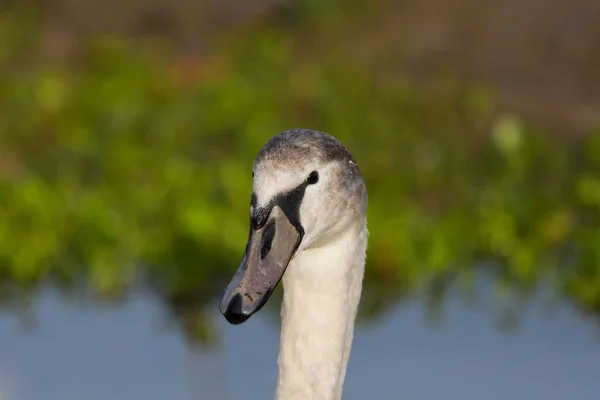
point(130, 352)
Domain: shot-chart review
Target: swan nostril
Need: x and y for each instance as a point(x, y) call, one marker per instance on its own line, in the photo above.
point(268, 237)
point(234, 313)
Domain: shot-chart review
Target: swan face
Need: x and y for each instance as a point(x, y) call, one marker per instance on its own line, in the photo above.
point(307, 189)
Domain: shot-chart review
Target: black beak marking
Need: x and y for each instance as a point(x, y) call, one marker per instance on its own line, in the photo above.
point(234, 313)
point(268, 237)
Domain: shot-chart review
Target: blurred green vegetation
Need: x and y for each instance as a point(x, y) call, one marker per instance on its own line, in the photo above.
point(133, 170)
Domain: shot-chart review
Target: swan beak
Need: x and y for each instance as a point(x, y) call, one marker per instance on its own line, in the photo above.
point(268, 252)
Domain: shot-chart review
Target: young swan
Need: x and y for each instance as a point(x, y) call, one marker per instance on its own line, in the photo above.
point(308, 228)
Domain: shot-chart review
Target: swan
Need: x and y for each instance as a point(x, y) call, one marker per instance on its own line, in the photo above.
point(308, 228)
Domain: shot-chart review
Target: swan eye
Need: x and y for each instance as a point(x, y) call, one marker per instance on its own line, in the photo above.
point(313, 178)
point(253, 174)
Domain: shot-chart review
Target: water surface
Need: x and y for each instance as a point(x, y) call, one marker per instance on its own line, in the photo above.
point(128, 352)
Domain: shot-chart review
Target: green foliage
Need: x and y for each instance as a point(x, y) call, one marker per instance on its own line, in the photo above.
point(129, 171)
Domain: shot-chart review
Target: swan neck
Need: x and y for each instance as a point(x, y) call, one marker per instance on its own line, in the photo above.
point(322, 289)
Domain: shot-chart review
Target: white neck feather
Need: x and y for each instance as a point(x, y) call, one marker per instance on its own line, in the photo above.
point(322, 288)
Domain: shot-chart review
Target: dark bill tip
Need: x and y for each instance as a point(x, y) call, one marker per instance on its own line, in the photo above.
point(234, 313)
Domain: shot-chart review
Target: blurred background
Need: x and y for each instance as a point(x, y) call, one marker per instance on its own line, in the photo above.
point(127, 135)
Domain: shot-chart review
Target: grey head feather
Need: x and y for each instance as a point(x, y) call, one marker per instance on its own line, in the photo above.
point(298, 146)
point(295, 149)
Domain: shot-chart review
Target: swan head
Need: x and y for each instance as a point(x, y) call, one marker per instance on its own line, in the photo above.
point(307, 190)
